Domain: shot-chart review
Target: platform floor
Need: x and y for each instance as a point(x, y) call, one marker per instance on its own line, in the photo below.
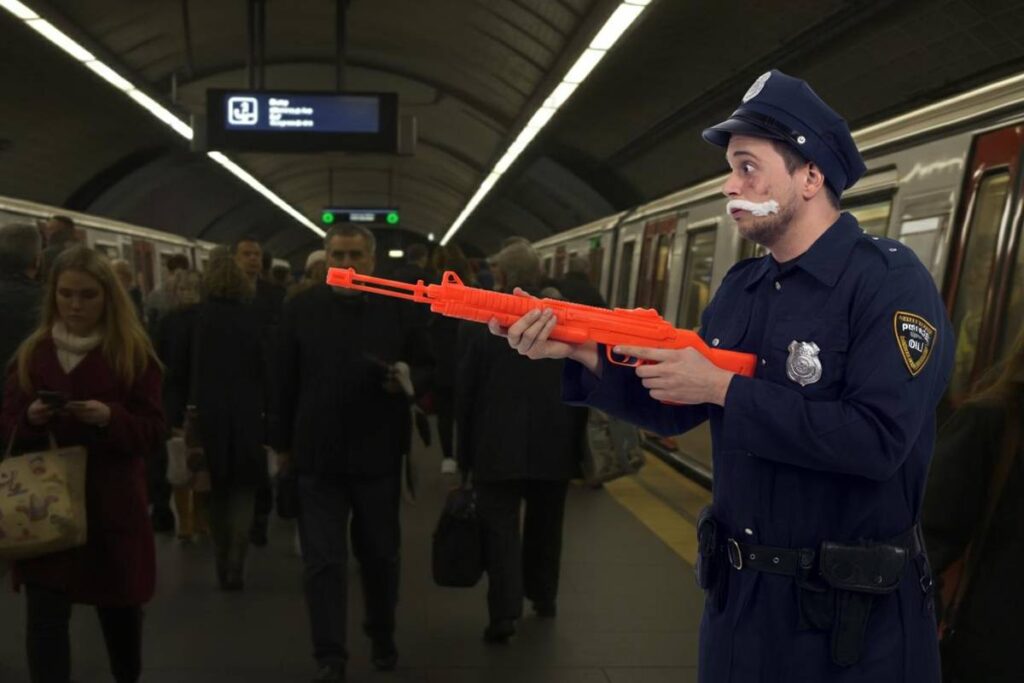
point(628, 606)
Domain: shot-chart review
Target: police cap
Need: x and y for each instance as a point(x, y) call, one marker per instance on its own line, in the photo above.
point(781, 107)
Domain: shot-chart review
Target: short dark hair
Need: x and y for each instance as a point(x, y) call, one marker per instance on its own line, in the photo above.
point(794, 160)
point(20, 245)
point(244, 238)
point(177, 262)
point(351, 231)
point(415, 252)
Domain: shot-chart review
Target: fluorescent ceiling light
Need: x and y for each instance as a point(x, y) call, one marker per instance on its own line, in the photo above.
point(159, 111)
point(584, 65)
point(541, 117)
point(18, 9)
point(60, 39)
point(396, 253)
point(70, 46)
point(430, 237)
point(251, 181)
point(110, 76)
point(620, 20)
point(560, 94)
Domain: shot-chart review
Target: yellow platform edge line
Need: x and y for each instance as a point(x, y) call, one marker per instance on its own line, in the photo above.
point(673, 529)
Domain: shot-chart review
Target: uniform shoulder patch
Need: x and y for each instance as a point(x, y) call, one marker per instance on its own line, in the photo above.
point(915, 337)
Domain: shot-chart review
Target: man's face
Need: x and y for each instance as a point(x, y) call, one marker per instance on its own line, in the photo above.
point(249, 257)
point(350, 251)
point(759, 175)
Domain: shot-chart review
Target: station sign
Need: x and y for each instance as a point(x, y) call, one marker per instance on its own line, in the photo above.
point(333, 215)
point(301, 121)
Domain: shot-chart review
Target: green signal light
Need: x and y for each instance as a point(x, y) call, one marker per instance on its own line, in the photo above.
point(327, 217)
point(392, 217)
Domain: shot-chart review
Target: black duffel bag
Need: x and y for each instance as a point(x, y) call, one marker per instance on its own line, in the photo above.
point(457, 553)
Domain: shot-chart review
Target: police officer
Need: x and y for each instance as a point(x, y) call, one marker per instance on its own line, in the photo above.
point(810, 553)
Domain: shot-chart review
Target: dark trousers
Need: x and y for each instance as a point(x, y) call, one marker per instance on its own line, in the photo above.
point(444, 400)
point(325, 507)
point(263, 505)
point(230, 514)
point(49, 646)
point(515, 567)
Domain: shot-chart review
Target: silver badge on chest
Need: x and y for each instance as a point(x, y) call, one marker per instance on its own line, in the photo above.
point(803, 365)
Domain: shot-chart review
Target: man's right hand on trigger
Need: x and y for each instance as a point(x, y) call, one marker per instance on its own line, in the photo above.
point(529, 336)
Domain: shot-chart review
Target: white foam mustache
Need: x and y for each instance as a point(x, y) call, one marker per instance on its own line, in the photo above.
point(758, 209)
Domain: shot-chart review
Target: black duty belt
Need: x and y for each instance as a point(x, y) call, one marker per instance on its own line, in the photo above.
point(799, 561)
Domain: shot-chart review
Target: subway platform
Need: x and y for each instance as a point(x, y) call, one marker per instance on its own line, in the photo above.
point(628, 608)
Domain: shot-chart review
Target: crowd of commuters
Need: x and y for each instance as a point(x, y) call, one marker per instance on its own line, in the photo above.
point(242, 362)
point(231, 361)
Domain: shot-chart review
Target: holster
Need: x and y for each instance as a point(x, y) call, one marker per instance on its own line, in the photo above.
point(710, 561)
point(857, 575)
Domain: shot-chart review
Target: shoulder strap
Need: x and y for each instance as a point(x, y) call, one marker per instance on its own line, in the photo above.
point(1000, 473)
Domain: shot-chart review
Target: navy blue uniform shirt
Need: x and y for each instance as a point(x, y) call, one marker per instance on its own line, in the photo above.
point(843, 458)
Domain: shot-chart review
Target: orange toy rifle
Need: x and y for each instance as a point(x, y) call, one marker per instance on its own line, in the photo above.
point(575, 324)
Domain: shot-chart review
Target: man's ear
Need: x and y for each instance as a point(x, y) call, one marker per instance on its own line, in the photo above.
point(814, 181)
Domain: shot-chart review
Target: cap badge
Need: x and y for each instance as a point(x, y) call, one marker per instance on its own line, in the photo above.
point(757, 86)
point(803, 365)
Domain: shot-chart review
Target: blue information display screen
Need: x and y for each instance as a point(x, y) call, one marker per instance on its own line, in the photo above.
point(301, 121)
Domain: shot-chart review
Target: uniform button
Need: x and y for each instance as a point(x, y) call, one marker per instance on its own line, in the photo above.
point(778, 285)
point(892, 249)
point(715, 341)
point(748, 532)
point(764, 361)
point(801, 140)
point(875, 238)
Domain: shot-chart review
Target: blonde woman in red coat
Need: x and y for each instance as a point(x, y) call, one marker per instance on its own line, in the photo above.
point(91, 348)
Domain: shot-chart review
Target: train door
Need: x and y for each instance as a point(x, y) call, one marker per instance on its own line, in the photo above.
point(142, 264)
point(652, 283)
point(596, 259)
point(626, 256)
point(985, 285)
point(559, 263)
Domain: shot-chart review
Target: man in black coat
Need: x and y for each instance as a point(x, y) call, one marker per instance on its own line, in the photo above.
point(20, 294)
point(344, 425)
point(576, 286)
point(516, 449)
point(267, 301)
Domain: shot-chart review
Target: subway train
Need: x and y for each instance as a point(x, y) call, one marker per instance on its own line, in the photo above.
point(146, 249)
point(944, 180)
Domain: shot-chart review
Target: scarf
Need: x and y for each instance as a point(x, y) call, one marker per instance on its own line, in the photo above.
point(71, 348)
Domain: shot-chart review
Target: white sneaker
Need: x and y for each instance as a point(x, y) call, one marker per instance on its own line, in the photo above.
point(449, 466)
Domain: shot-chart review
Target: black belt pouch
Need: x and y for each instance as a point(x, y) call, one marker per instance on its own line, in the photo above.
point(858, 574)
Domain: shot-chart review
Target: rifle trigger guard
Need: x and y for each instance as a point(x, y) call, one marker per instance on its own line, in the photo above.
point(627, 361)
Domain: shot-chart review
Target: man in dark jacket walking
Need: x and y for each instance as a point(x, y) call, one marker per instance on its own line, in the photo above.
point(20, 294)
point(344, 424)
point(576, 286)
point(516, 449)
point(267, 301)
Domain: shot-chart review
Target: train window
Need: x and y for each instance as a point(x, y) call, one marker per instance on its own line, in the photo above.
point(1013, 325)
point(663, 249)
point(982, 234)
point(559, 263)
point(750, 249)
point(625, 274)
point(873, 217)
point(923, 235)
point(547, 265)
point(596, 258)
point(700, 255)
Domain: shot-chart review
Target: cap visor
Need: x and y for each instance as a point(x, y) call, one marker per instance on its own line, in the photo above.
point(720, 134)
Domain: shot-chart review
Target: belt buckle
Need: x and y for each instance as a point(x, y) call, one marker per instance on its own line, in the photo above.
point(734, 553)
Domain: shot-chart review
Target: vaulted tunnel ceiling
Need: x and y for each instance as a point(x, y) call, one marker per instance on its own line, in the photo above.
point(471, 72)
